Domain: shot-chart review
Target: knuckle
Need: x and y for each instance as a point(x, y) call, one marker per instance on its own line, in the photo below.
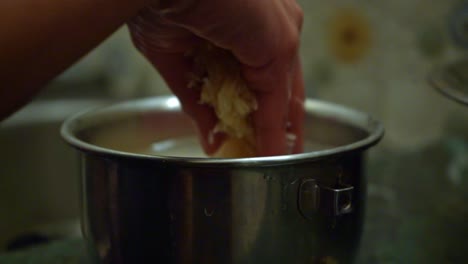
point(291, 45)
point(177, 9)
point(300, 19)
point(299, 15)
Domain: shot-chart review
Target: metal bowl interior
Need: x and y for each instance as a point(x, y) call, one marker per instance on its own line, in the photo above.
point(131, 128)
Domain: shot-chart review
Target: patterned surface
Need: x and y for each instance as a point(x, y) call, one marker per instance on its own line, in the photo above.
point(394, 46)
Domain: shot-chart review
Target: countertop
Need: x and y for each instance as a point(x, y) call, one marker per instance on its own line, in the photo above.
point(416, 211)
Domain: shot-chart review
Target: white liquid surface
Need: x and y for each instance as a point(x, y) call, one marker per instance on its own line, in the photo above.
point(182, 147)
point(189, 147)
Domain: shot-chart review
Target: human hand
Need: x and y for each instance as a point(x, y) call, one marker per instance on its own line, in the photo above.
point(264, 37)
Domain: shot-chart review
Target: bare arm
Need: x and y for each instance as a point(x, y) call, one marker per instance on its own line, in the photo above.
point(41, 38)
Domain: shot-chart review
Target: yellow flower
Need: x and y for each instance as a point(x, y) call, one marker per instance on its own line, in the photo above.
point(348, 35)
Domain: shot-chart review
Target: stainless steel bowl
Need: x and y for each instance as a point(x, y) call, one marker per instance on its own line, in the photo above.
point(139, 206)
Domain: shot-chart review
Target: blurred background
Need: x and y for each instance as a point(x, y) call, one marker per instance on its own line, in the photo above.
point(375, 56)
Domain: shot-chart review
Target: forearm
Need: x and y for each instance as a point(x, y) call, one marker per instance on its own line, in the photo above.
point(40, 38)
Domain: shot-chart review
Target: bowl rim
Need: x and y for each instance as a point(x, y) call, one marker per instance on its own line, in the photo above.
point(358, 119)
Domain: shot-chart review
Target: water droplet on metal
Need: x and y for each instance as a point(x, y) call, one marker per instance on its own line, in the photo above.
point(294, 182)
point(208, 212)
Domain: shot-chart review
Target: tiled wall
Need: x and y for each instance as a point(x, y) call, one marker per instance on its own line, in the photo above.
point(375, 56)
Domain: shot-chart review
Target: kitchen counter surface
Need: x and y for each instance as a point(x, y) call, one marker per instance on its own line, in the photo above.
point(416, 211)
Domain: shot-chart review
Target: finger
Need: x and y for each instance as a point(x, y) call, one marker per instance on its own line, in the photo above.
point(270, 126)
point(269, 119)
point(296, 112)
point(175, 69)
